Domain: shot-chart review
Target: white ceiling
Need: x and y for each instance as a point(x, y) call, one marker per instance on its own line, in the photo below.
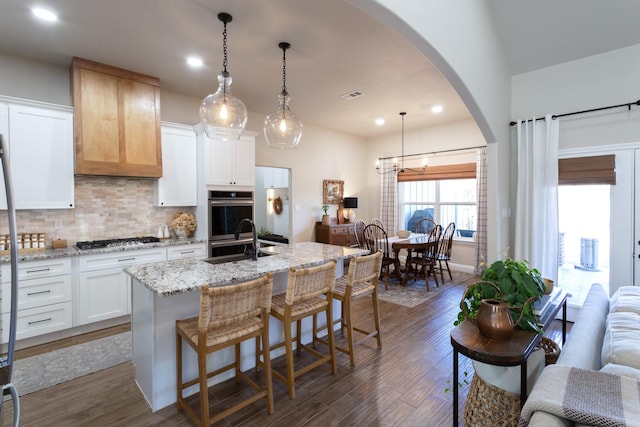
point(335, 49)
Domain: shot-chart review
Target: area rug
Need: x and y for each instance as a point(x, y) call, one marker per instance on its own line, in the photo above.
point(415, 293)
point(45, 370)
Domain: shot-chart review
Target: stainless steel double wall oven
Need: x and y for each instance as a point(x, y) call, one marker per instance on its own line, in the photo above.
point(226, 210)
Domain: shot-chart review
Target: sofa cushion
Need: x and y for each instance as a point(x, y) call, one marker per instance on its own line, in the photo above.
point(627, 371)
point(626, 299)
point(621, 343)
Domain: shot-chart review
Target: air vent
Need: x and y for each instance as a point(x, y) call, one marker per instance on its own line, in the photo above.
point(351, 95)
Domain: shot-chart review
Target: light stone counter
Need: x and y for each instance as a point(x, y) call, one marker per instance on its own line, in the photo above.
point(73, 251)
point(186, 275)
point(163, 292)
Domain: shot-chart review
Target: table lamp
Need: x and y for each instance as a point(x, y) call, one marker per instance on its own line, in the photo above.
point(349, 204)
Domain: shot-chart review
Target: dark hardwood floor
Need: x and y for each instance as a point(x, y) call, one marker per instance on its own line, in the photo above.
point(403, 383)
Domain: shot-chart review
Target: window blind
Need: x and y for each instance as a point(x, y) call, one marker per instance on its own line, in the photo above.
point(587, 170)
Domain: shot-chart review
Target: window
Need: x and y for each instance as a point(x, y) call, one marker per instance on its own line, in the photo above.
point(445, 200)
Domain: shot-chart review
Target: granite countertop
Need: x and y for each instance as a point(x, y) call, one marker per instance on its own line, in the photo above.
point(186, 275)
point(74, 251)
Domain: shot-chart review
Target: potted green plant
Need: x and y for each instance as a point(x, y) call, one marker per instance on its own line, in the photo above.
point(326, 220)
point(512, 281)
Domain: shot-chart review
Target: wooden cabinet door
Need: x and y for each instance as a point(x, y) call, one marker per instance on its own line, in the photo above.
point(117, 121)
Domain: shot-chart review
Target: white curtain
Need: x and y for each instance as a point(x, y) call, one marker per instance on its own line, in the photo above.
point(388, 197)
point(536, 216)
point(481, 223)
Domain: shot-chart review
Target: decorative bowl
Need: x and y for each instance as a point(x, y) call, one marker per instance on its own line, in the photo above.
point(549, 284)
point(403, 234)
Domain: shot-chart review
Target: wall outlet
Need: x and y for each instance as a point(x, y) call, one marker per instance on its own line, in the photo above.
point(57, 224)
point(506, 212)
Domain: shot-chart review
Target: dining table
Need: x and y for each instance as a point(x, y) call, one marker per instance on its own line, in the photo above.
point(416, 244)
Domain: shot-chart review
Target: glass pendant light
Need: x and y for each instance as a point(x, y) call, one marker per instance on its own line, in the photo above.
point(283, 129)
point(223, 115)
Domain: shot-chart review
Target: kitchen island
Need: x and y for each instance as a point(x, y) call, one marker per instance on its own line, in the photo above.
point(166, 291)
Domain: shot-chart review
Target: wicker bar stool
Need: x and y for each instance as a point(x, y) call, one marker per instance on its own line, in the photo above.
point(309, 292)
point(361, 280)
point(228, 315)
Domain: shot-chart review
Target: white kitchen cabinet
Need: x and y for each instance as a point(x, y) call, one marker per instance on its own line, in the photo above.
point(40, 139)
point(44, 297)
point(178, 184)
point(276, 178)
point(196, 250)
point(230, 164)
point(103, 289)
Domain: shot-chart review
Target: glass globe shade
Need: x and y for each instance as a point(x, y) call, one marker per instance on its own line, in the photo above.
point(223, 115)
point(283, 129)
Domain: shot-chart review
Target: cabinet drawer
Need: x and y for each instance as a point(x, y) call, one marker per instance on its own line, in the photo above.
point(34, 269)
point(340, 230)
point(187, 251)
point(121, 259)
point(37, 321)
point(38, 292)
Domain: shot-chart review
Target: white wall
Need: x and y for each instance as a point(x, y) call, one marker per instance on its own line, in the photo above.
point(610, 78)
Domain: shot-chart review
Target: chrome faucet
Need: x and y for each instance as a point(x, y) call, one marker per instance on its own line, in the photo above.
point(253, 251)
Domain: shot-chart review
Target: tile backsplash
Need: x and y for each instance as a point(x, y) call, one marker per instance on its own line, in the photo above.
point(105, 208)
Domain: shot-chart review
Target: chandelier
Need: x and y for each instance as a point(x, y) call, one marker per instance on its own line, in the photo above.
point(223, 115)
point(283, 128)
point(401, 169)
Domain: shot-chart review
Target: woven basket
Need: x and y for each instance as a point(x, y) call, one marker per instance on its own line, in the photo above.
point(551, 350)
point(488, 405)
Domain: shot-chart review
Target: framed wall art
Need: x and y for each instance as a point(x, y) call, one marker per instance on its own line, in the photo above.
point(332, 191)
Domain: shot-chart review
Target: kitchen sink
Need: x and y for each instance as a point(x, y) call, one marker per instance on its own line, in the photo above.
point(233, 258)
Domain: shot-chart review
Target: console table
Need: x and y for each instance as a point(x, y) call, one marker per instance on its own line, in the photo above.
point(467, 339)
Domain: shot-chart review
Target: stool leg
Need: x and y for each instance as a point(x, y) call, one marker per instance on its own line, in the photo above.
point(266, 354)
point(204, 390)
point(376, 316)
point(288, 340)
point(299, 336)
point(332, 343)
point(237, 370)
point(346, 306)
point(178, 371)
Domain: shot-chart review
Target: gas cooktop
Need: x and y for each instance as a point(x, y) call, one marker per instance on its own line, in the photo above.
point(111, 243)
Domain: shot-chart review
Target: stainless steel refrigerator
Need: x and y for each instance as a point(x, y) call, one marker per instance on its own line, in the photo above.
point(6, 360)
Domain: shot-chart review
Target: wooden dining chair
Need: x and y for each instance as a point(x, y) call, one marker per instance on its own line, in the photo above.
point(228, 316)
point(358, 228)
point(426, 262)
point(444, 250)
point(376, 240)
point(309, 292)
point(424, 226)
point(378, 222)
point(360, 281)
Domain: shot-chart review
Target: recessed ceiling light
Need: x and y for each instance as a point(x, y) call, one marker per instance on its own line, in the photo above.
point(379, 122)
point(44, 14)
point(194, 61)
point(436, 109)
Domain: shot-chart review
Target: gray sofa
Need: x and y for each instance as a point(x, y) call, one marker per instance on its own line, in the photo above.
point(596, 343)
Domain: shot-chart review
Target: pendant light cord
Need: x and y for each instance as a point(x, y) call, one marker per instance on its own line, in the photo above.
point(224, 50)
point(284, 71)
point(402, 114)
